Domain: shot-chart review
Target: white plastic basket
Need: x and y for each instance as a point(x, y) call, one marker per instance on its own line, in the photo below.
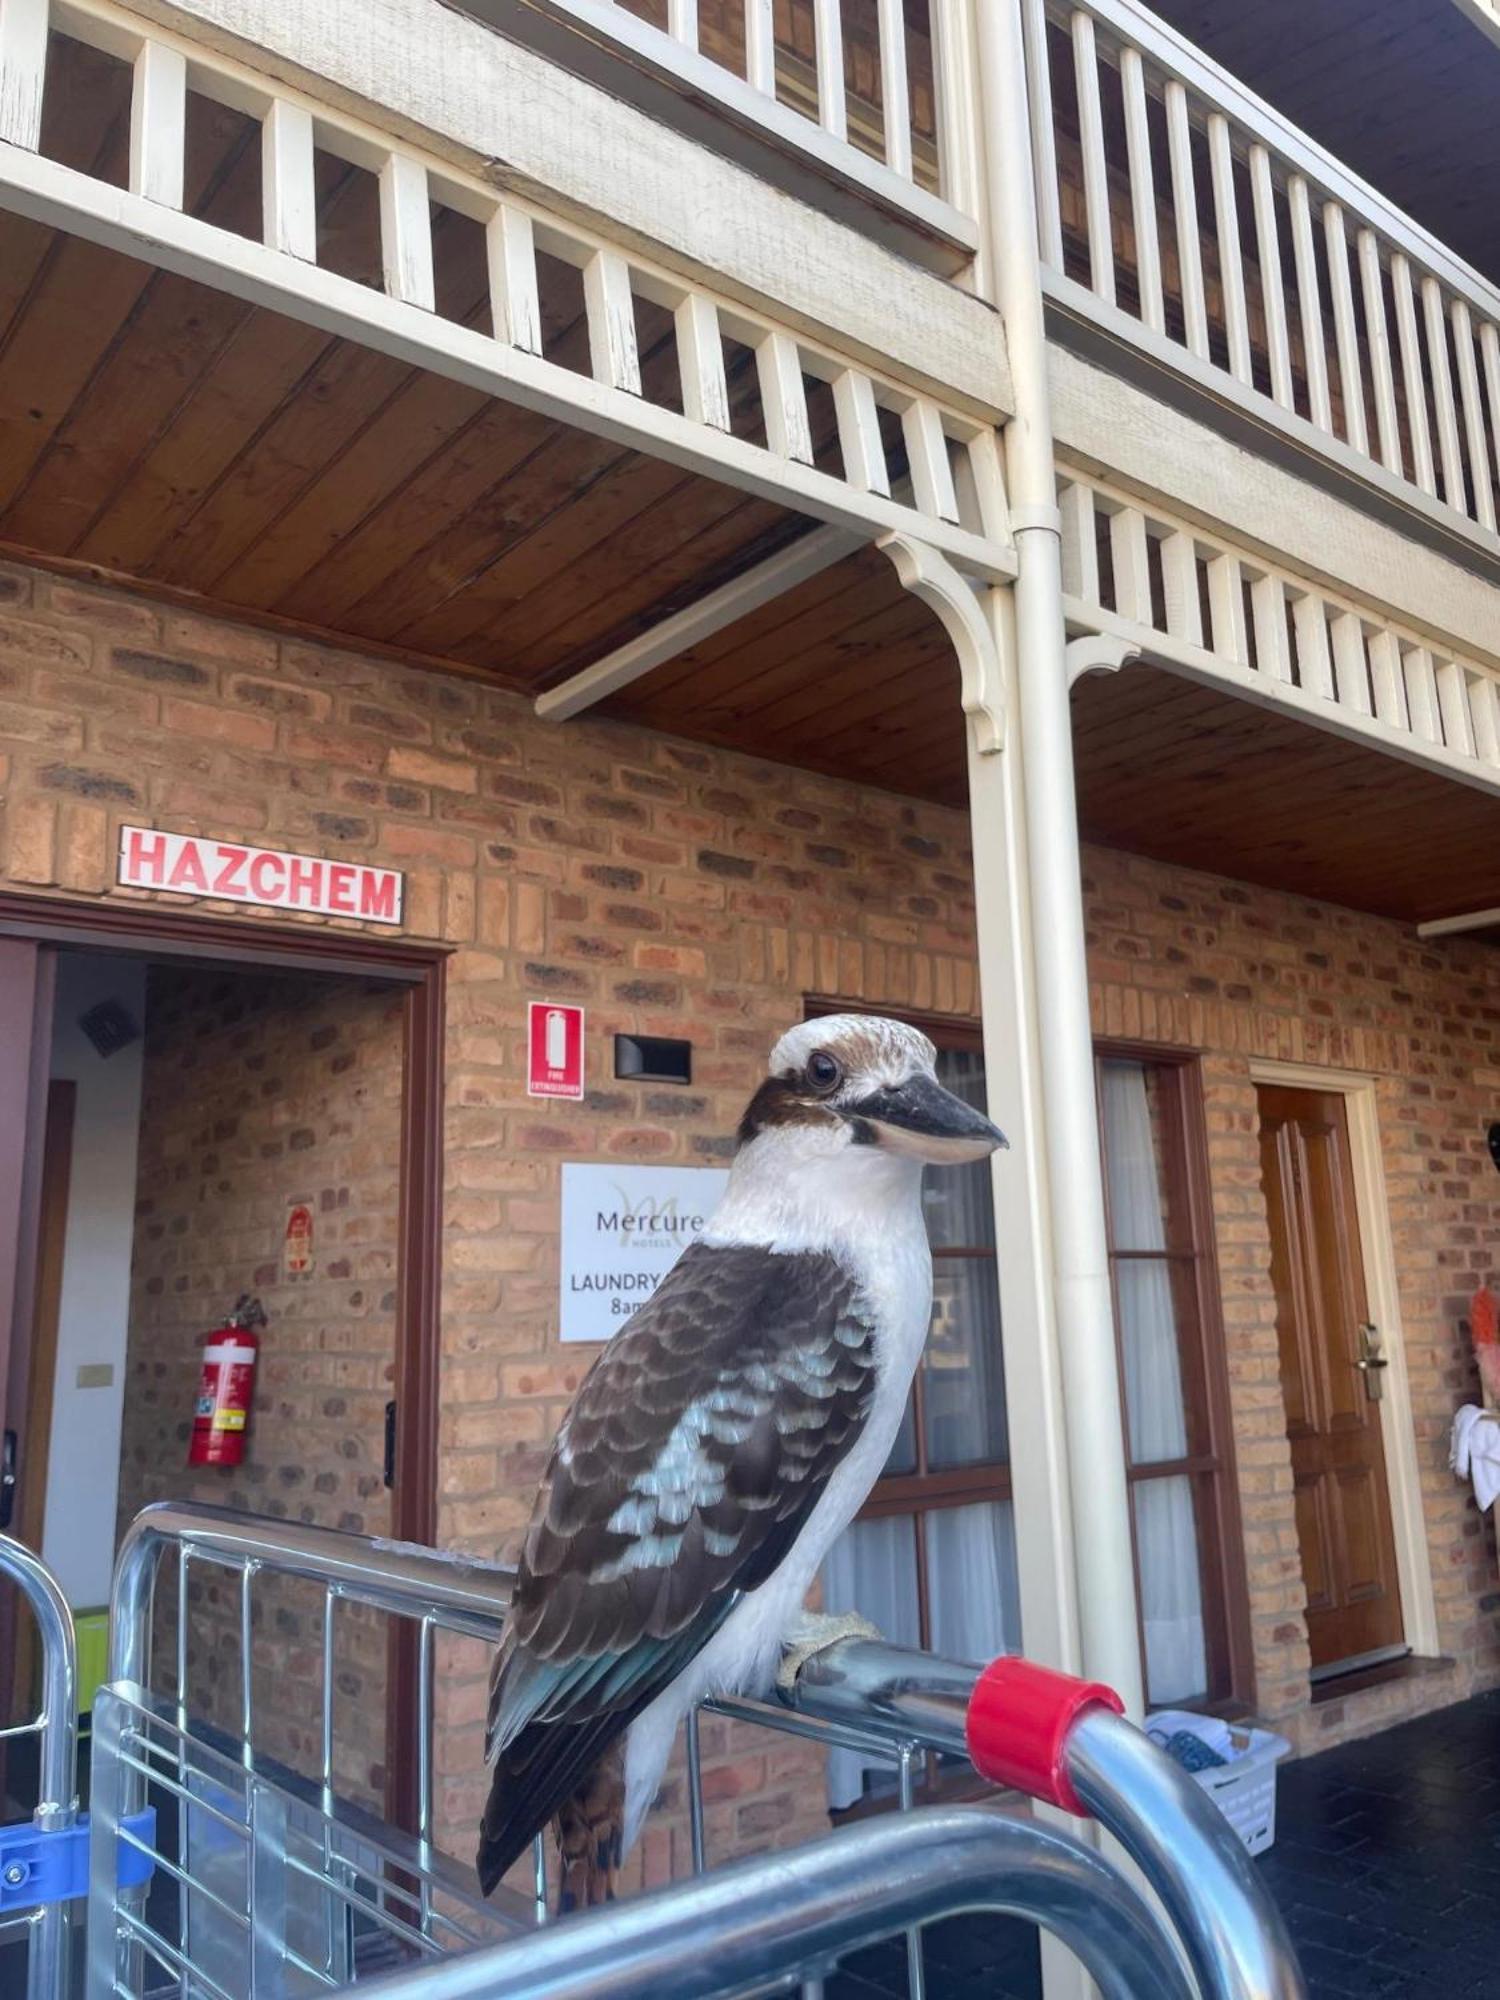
point(1244, 1789)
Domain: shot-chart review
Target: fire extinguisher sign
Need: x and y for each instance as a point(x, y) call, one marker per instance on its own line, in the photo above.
point(554, 1065)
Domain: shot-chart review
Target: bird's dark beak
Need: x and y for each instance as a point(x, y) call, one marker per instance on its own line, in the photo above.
point(926, 1122)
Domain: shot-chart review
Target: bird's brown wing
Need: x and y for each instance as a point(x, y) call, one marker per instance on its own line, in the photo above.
point(689, 1462)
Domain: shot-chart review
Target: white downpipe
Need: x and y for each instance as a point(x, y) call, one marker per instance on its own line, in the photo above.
point(1088, 1369)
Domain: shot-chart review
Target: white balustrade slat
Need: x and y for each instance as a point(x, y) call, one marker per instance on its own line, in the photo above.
point(1314, 353)
point(1142, 189)
point(760, 45)
point(783, 397)
point(980, 477)
point(1413, 380)
point(1441, 377)
point(289, 192)
point(1272, 283)
point(1179, 576)
point(514, 305)
point(1484, 713)
point(1474, 427)
point(1185, 207)
point(1095, 163)
point(1226, 610)
point(23, 71)
point(1080, 549)
point(1345, 331)
point(1231, 252)
point(682, 22)
point(1314, 660)
point(609, 306)
point(1421, 694)
point(1387, 680)
point(1273, 649)
point(1453, 707)
point(158, 124)
point(828, 46)
point(1130, 565)
point(1043, 131)
point(860, 441)
point(927, 455)
point(700, 362)
point(1378, 338)
point(1350, 668)
point(1489, 354)
point(406, 231)
point(895, 94)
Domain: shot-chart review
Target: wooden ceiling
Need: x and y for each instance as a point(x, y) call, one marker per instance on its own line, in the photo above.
point(1403, 91)
point(158, 429)
point(1192, 775)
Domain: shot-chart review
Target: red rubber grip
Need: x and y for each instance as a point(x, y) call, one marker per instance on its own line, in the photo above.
point(1018, 1724)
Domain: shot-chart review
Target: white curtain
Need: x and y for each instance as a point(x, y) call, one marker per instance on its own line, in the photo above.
point(1166, 1537)
point(973, 1593)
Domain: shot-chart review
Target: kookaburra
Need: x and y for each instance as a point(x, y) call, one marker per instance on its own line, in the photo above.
point(724, 1438)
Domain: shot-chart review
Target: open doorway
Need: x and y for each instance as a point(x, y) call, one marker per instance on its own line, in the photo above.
point(197, 1127)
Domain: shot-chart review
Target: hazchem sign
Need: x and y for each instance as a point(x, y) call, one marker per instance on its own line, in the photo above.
point(261, 875)
point(623, 1228)
point(554, 1050)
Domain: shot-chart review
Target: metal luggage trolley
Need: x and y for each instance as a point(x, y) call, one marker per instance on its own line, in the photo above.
point(209, 1870)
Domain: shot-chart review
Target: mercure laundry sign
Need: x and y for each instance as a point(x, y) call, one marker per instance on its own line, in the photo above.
point(623, 1228)
point(261, 875)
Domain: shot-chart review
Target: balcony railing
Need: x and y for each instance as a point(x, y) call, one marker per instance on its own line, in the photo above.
point(851, 91)
point(1200, 227)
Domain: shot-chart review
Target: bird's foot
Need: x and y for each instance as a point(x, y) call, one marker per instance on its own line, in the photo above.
point(815, 1632)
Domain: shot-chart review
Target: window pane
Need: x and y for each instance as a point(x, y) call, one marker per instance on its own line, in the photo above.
point(1134, 1105)
point(1171, 1590)
point(974, 1600)
point(963, 1378)
point(872, 1569)
point(1155, 1413)
point(956, 1200)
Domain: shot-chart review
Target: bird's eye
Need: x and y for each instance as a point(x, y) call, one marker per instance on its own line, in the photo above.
point(824, 1072)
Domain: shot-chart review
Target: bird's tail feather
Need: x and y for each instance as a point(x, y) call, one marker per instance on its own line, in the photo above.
point(589, 1827)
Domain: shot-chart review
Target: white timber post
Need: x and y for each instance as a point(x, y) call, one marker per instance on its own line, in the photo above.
point(1102, 1560)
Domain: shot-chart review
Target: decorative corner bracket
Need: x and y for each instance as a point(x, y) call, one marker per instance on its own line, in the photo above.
point(1098, 653)
point(946, 591)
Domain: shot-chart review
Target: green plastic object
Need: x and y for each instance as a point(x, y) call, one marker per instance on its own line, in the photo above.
point(92, 1628)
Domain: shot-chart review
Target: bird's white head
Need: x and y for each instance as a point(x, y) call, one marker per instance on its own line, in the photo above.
point(859, 1080)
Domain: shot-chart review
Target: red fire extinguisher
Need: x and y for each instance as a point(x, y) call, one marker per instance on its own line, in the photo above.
point(226, 1387)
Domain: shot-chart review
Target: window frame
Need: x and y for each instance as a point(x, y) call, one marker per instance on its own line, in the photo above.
point(1224, 1594)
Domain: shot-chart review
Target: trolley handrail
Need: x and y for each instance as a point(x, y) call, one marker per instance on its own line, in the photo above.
point(1230, 1926)
point(1077, 1753)
point(56, 1726)
point(762, 1919)
point(399, 1577)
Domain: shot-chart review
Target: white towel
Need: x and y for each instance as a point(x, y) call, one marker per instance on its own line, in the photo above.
point(1475, 1452)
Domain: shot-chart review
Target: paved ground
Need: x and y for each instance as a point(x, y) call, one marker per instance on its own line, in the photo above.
point(1386, 1865)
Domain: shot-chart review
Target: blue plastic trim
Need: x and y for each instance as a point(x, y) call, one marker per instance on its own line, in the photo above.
point(40, 1865)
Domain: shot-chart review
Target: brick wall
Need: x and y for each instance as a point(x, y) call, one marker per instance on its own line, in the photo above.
point(664, 885)
point(1242, 974)
point(670, 887)
point(261, 1093)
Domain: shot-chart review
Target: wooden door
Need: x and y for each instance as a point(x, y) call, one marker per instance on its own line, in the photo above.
point(1330, 1388)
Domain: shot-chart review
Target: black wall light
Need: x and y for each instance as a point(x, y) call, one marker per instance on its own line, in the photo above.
point(653, 1059)
point(1494, 1139)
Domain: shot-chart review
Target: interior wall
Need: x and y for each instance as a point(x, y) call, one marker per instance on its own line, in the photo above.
point(262, 1093)
point(94, 1305)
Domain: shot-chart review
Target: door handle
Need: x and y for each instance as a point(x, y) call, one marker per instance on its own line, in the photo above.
point(9, 1445)
point(1371, 1361)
